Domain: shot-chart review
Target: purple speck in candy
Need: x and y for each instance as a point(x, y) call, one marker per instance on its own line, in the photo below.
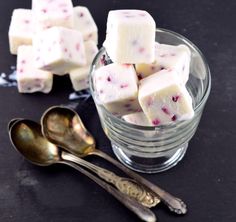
point(141, 50)
point(127, 105)
point(134, 42)
point(173, 54)
point(101, 91)
point(156, 122)
point(175, 98)
point(165, 110)
point(109, 79)
point(124, 86)
point(174, 118)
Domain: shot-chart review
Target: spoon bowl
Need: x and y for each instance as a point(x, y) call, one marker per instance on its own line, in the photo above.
point(64, 128)
point(27, 138)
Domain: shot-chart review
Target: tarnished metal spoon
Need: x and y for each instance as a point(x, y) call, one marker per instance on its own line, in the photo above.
point(27, 138)
point(63, 126)
point(125, 185)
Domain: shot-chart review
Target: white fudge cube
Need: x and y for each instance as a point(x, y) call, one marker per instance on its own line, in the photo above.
point(138, 118)
point(116, 88)
point(168, 57)
point(49, 13)
point(29, 78)
point(21, 29)
point(79, 77)
point(130, 36)
point(59, 50)
point(85, 23)
point(164, 99)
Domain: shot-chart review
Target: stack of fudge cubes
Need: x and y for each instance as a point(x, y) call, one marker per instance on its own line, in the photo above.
point(145, 83)
point(52, 38)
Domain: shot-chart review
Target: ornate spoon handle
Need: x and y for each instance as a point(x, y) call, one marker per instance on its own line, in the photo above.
point(175, 204)
point(125, 185)
point(142, 212)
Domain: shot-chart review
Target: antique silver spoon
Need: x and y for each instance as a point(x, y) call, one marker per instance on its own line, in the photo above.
point(27, 138)
point(63, 126)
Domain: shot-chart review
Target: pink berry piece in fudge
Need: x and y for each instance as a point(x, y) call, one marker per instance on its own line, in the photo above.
point(84, 22)
point(116, 88)
point(59, 50)
point(130, 36)
point(164, 99)
point(29, 78)
point(49, 13)
point(168, 57)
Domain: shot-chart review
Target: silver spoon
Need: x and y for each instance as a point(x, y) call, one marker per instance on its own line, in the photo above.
point(27, 139)
point(125, 185)
point(63, 126)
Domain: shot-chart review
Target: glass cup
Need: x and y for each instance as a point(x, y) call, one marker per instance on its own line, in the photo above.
point(155, 149)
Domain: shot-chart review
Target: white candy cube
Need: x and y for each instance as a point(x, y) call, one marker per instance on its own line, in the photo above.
point(85, 23)
point(116, 88)
point(21, 29)
point(164, 99)
point(168, 57)
point(49, 13)
point(138, 118)
point(79, 77)
point(59, 50)
point(29, 78)
point(130, 36)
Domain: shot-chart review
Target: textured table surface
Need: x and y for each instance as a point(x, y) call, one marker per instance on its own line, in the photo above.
point(205, 178)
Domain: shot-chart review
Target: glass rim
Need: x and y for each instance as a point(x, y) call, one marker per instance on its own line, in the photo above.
point(164, 127)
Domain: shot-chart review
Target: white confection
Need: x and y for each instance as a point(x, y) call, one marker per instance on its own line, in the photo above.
point(168, 57)
point(29, 78)
point(79, 77)
point(21, 29)
point(138, 118)
point(164, 99)
point(116, 88)
point(130, 36)
point(49, 13)
point(85, 23)
point(59, 50)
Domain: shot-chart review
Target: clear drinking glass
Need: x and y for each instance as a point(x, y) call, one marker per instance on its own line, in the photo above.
point(155, 149)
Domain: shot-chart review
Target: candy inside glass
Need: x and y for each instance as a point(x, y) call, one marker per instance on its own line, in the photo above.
point(156, 149)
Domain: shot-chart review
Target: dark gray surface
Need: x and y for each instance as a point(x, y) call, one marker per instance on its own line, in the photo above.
point(205, 178)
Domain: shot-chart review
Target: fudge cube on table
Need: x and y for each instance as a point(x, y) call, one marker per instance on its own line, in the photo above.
point(21, 29)
point(138, 118)
point(84, 22)
point(116, 88)
point(79, 77)
point(29, 78)
point(130, 36)
point(49, 13)
point(168, 57)
point(164, 99)
point(59, 50)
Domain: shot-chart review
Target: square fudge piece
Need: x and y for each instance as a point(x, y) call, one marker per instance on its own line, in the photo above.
point(49, 13)
point(138, 118)
point(85, 23)
point(59, 50)
point(79, 77)
point(21, 29)
point(168, 57)
point(29, 78)
point(116, 88)
point(164, 99)
point(130, 36)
